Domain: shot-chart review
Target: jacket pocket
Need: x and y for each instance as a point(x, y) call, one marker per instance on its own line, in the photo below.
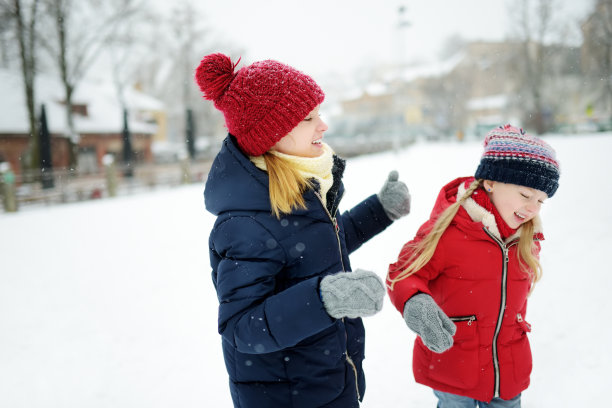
point(521, 351)
point(459, 366)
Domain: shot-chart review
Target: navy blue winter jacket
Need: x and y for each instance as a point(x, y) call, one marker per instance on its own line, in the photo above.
point(281, 348)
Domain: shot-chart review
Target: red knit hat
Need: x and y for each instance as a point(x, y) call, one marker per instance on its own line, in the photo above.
point(261, 103)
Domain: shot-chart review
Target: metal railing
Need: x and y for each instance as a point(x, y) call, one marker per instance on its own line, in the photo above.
point(27, 190)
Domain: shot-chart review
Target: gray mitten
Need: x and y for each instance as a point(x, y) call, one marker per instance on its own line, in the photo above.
point(424, 317)
point(394, 197)
point(352, 294)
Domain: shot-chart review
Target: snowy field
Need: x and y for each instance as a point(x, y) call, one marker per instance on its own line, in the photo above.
point(110, 303)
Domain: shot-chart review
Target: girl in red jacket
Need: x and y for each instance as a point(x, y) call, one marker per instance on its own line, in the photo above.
point(462, 283)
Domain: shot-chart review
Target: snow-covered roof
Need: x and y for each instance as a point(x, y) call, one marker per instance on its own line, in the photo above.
point(432, 68)
point(376, 89)
point(104, 112)
point(426, 69)
point(488, 102)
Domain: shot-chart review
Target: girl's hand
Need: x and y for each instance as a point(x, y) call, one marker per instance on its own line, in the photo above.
point(352, 294)
point(424, 317)
point(394, 197)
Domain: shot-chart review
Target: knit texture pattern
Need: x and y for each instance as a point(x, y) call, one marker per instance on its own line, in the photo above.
point(261, 102)
point(394, 197)
point(424, 317)
point(352, 294)
point(512, 156)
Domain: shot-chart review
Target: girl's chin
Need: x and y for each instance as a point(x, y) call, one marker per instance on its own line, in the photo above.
point(516, 221)
point(315, 151)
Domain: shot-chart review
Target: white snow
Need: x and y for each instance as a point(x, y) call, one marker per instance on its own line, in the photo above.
point(110, 303)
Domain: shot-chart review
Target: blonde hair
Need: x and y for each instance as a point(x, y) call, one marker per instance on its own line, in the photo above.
point(287, 185)
point(424, 249)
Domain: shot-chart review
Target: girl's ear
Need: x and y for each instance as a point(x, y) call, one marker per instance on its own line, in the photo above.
point(488, 185)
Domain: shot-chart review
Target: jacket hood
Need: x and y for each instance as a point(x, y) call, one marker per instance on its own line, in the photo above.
point(234, 183)
point(450, 193)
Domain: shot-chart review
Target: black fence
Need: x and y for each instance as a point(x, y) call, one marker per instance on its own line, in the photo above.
point(27, 190)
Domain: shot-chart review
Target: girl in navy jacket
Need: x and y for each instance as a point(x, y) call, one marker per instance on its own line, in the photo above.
point(290, 306)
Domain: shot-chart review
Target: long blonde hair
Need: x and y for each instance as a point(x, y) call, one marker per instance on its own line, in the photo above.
point(287, 185)
point(424, 249)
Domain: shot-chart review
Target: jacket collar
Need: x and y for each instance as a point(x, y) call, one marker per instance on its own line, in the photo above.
point(234, 183)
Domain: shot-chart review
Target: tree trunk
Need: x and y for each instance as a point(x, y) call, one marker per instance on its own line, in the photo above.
point(27, 41)
point(72, 136)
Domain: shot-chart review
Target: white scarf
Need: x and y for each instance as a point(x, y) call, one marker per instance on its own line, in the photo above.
point(319, 168)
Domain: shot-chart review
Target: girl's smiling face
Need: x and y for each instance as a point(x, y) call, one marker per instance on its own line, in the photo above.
point(516, 204)
point(305, 139)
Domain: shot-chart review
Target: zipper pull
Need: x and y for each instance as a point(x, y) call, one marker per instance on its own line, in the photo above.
point(336, 226)
point(524, 325)
point(472, 319)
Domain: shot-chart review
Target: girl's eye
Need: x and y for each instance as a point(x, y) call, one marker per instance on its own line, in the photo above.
point(318, 115)
point(525, 195)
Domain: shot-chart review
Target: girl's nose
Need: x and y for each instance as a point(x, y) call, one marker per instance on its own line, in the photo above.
point(322, 126)
point(533, 208)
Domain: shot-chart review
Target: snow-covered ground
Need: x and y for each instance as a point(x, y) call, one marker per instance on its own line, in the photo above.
point(110, 303)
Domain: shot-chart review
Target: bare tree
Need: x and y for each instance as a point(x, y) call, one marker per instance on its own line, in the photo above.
point(6, 30)
point(446, 98)
point(81, 31)
point(168, 73)
point(535, 29)
point(24, 16)
point(597, 31)
point(126, 48)
point(186, 30)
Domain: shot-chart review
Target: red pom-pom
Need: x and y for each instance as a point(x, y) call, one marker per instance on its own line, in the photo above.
point(214, 75)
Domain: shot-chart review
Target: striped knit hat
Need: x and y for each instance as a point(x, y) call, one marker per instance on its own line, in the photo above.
point(261, 102)
point(514, 157)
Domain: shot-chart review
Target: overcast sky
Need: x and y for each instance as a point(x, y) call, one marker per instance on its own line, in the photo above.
point(321, 36)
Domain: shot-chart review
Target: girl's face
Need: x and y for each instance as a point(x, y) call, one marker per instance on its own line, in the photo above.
point(516, 204)
point(305, 139)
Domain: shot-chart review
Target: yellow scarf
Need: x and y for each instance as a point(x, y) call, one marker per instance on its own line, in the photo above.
point(319, 168)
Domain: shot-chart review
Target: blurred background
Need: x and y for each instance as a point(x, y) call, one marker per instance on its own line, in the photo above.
point(107, 302)
point(98, 97)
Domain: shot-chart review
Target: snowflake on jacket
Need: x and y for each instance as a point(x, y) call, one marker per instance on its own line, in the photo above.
point(281, 347)
point(475, 278)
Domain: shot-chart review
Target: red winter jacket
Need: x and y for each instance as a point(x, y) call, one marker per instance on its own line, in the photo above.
point(476, 279)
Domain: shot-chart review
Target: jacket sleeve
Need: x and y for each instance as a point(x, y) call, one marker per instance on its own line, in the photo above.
point(401, 291)
point(252, 316)
point(364, 221)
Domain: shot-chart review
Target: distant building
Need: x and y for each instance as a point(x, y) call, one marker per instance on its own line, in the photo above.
point(480, 86)
point(98, 119)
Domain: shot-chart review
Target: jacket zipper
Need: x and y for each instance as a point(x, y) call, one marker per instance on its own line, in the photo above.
point(352, 364)
point(469, 319)
point(525, 326)
point(334, 221)
point(502, 307)
point(336, 228)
